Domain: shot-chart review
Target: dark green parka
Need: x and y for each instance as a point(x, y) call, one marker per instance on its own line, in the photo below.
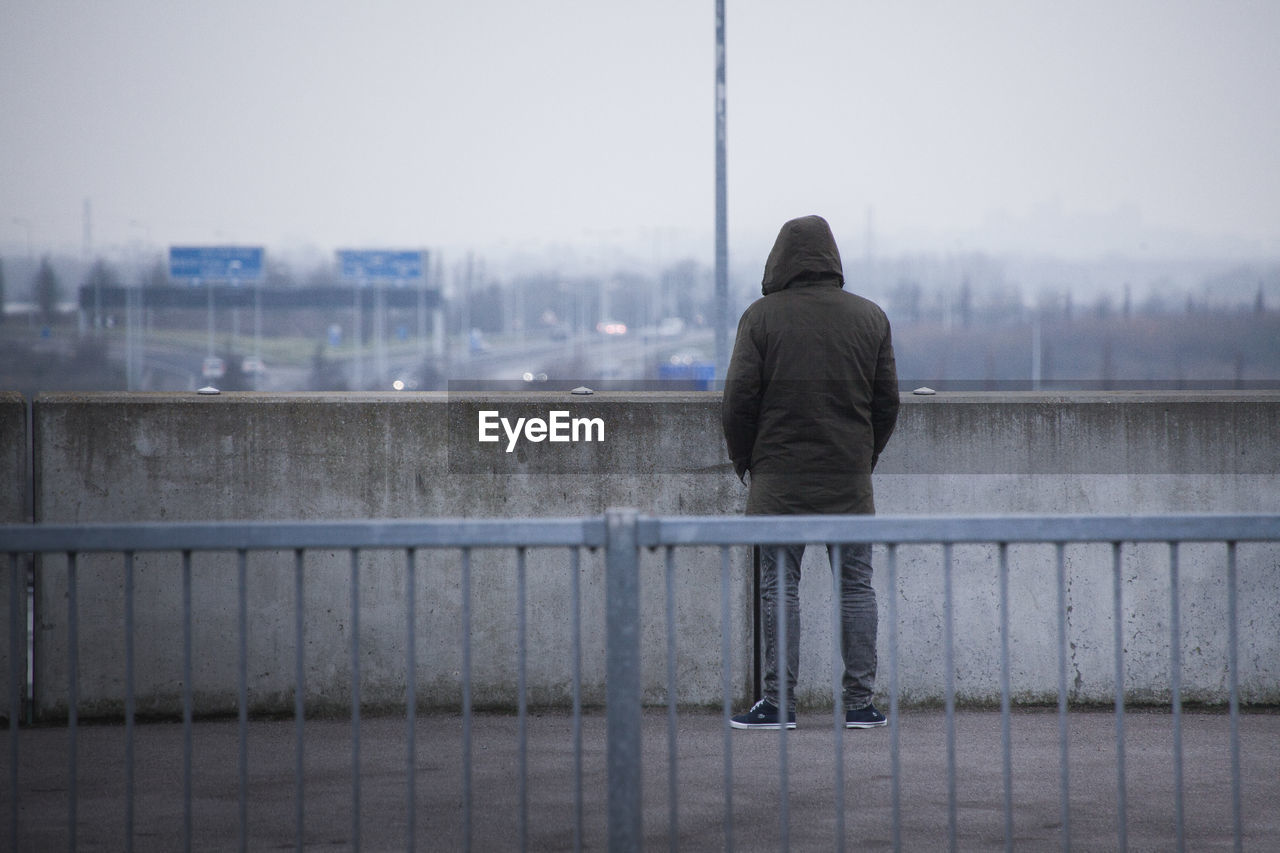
point(811, 393)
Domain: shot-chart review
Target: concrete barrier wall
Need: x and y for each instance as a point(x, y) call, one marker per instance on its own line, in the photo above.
point(1103, 453)
point(14, 508)
point(118, 457)
point(185, 457)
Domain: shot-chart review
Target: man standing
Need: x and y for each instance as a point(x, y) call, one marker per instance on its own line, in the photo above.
point(810, 399)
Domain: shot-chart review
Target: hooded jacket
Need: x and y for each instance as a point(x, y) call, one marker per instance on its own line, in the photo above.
point(811, 392)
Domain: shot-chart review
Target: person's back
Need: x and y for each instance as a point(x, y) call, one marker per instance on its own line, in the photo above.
point(811, 394)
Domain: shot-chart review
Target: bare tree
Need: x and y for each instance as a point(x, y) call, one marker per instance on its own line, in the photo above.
point(47, 290)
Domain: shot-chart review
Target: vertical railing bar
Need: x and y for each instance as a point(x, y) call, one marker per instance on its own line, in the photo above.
point(73, 698)
point(757, 621)
point(411, 695)
point(242, 681)
point(624, 720)
point(950, 695)
point(782, 669)
point(355, 699)
point(837, 687)
point(726, 691)
point(1175, 690)
point(1064, 777)
point(15, 692)
point(299, 700)
point(1237, 821)
point(673, 785)
point(1122, 818)
point(895, 780)
point(522, 701)
point(130, 708)
point(575, 584)
point(1006, 700)
point(186, 701)
point(465, 582)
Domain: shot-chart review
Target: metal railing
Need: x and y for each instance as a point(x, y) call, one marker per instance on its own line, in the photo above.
point(623, 534)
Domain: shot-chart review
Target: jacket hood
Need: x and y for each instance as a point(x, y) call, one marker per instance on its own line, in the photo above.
point(805, 250)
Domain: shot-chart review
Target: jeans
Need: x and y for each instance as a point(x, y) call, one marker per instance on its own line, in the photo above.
point(858, 621)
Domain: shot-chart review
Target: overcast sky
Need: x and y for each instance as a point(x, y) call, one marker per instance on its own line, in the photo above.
point(1065, 126)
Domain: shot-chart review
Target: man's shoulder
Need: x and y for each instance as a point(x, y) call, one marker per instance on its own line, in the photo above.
point(844, 302)
point(862, 302)
point(861, 310)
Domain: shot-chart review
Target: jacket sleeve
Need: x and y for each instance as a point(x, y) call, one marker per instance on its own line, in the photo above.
point(884, 396)
point(740, 406)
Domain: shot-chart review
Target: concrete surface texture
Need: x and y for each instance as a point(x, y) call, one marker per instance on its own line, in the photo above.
point(545, 819)
point(14, 509)
point(135, 457)
point(13, 458)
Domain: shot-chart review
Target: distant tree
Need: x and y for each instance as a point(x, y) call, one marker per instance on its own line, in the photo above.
point(905, 300)
point(326, 375)
point(684, 283)
point(157, 275)
point(102, 274)
point(279, 274)
point(1, 290)
point(1108, 369)
point(486, 308)
point(1001, 305)
point(1155, 305)
point(1259, 304)
point(431, 377)
point(1102, 307)
point(322, 276)
point(100, 277)
point(47, 290)
point(234, 377)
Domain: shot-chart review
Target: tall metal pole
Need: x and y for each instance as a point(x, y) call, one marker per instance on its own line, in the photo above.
point(722, 233)
point(257, 333)
point(440, 330)
point(209, 287)
point(380, 332)
point(422, 304)
point(357, 376)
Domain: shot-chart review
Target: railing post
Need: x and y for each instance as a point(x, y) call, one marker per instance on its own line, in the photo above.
point(622, 677)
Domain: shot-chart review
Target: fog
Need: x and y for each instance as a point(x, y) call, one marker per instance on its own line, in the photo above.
point(984, 166)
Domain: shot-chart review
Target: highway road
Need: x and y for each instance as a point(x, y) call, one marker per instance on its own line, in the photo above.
point(587, 358)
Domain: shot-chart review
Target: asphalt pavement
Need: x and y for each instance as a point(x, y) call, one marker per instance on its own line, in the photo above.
point(542, 811)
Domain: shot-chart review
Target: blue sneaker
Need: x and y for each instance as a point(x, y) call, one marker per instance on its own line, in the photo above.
point(864, 718)
point(763, 715)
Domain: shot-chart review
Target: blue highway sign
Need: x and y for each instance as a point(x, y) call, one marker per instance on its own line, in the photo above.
point(218, 263)
point(380, 264)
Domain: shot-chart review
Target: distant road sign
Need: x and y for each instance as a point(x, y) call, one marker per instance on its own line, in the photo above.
point(380, 264)
point(217, 263)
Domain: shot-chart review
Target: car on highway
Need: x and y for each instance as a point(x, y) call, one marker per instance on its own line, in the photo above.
point(213, 368)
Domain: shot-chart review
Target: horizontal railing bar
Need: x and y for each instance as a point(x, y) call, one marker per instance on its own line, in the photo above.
point(652, 532)
point(922, 529)
point(263, 535)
